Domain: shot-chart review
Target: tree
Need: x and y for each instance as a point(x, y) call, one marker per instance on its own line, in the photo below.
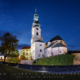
point(22, 57)
point(8, 44)
point(16, 52)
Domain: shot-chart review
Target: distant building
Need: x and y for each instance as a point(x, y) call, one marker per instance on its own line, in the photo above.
point(1, 57)
point(26, 52)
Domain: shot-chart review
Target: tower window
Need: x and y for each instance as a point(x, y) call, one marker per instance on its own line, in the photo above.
point(40, 50)
point(40, 44)
point(37, 33)
point(38, 55)
point(36, 28)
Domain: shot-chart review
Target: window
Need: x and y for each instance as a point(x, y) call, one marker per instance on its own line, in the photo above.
point(36, 33)
point(40, 50)
point(26, 53)
point(23, 53)
point(36, 28)
point(40, 44)
point(38, 55)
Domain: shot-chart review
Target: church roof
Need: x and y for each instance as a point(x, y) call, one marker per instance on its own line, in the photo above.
point(26, 48)
point(56, 45)
point(56, 38)
point(59, 45)
point(51, 45)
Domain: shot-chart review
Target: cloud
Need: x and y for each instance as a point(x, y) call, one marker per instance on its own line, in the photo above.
point(21, 45)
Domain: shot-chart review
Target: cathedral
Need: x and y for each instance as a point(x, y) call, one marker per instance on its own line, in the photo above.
point(40, 49)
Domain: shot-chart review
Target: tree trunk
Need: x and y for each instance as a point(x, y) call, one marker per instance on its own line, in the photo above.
point(4, 60)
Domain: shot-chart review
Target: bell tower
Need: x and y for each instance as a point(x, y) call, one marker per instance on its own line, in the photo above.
point(36, 31)
point(37, 44)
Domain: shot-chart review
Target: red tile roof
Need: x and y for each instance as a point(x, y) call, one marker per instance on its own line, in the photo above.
point(26, 48)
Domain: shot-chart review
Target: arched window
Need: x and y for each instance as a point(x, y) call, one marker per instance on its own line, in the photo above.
point(40, 50)
point(36, 33)
point(36, 28)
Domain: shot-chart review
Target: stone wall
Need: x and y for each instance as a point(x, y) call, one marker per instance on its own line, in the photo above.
point(76, 59)
point(26, 62)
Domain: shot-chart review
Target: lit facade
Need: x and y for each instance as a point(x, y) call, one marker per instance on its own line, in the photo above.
point(26, 52)
point(39, 49)
point(56, 46)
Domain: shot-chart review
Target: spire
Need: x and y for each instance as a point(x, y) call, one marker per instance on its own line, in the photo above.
point(36, 22)
point(35, 11)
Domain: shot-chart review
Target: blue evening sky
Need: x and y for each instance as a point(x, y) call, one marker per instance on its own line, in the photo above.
point(57, 17)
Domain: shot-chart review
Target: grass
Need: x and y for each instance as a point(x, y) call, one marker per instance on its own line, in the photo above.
point(12, 73)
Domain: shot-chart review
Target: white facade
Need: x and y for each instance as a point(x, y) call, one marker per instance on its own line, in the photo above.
point(36, 34)
point(47, 52)
point(55, 48)
point(39, 50)
point(55, 51)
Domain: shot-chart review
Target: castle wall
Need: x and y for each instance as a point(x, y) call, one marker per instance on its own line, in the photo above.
point(76, 59)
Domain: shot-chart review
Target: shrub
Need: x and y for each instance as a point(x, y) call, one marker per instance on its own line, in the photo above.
point(64, 59)
point(13, 60)
point(22, 57)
